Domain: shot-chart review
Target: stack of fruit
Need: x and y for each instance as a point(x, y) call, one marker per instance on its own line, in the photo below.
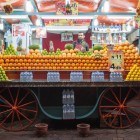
point(53, 62)
point(134, 74)
point(129, 50)
point(68, 59)
point(131, 55)
point(10, 50)
point(34, 52)
point(100, 51)
point(3, 76)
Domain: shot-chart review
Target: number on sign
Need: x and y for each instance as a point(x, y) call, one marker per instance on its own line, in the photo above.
point(112, 66)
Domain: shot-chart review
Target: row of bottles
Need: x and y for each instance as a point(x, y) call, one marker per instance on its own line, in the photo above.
point(26, 76)
point(53, 76)
point(68, 104)
point(68, 111)
point(76, 76)
point(109, 38)
point(97, 76)
point(113, 27)
point(68, 96)
point(116, 77)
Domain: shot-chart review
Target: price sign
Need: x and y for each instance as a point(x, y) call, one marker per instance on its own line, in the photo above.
point(116, 61)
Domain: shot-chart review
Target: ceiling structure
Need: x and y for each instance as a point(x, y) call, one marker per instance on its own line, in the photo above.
point(88, 8)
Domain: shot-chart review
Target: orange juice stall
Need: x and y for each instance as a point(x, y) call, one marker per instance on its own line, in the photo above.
point(41, 72)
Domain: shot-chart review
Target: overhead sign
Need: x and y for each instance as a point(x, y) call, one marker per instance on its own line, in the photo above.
point(67, 22)
point(63, 9)
point(116, 61)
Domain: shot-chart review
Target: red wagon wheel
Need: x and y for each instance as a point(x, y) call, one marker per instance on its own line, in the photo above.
point(18, 108)
point(119, 107)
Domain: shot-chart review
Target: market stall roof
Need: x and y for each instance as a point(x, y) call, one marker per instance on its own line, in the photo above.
point(91, 9)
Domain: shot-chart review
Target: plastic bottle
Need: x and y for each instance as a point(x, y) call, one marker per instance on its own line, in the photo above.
point(102, 38)
point(68, 96)
point(64, 97)
point(100, 27)
point(64, 112)
point(115, 38)
point(72, 111)
point(104, 27)
point(21, 77)
point(98, 38)
point(123, 37)
point(107, 38)
point(119, 27)
point(111, 27)
point(119, 38)
point(67, 111)
point(72, 96)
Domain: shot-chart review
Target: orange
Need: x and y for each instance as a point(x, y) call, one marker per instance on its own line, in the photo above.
point(20, 60)
point(29, 60)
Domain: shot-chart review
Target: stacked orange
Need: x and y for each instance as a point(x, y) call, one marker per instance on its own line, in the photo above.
point(51, 62)
point(131, 55)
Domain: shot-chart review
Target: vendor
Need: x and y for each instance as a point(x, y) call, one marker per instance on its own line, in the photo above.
point(80, 43)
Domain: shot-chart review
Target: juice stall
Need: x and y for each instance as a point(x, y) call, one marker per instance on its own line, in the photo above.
point(65, 83)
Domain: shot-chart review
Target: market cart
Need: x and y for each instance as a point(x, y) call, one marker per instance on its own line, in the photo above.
point(117, 103)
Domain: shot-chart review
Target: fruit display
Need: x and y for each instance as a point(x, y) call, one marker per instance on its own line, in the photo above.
point(3, 76)
point(131, 55)
point(134, 74)
point(94, 59)
point(10, 50)
point(34, 52)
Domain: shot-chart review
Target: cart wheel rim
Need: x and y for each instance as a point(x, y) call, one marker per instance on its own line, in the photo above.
point(119, 108)
point(19, 108)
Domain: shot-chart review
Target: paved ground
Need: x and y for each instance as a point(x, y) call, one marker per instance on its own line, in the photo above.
point(95, 134)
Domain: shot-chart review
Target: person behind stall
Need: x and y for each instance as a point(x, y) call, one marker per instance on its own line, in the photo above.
point(80, 43)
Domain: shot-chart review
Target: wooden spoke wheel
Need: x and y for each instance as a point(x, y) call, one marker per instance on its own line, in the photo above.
point(18, 108)
point(119, 107)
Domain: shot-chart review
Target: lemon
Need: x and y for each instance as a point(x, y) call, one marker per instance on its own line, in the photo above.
point(135, 79)
point(131, 79)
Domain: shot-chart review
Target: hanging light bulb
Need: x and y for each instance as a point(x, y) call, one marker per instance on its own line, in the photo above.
point(106, 6)
point(28, 6)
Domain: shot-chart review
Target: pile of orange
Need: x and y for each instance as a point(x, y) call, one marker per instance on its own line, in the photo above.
point(131, 55)
point(33, 62)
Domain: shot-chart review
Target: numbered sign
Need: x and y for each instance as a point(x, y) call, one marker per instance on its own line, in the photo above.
point(116, 61)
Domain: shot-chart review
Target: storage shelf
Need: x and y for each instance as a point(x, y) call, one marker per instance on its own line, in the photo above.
point(85, 83)
point(117, 32)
